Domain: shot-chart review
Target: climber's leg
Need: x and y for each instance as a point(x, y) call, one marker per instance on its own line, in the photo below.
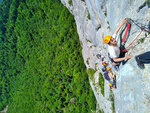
point(144, 58)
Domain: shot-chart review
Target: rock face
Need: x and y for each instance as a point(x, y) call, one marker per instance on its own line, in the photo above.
point(97, 18)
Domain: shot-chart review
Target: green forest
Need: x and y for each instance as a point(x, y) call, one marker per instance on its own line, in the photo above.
point(42, 68)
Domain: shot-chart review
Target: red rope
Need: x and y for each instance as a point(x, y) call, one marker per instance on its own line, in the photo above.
point(125, 35)
point(133, 41)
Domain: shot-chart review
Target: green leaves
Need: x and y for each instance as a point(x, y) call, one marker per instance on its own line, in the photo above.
point(42, 65)
point(101, 83)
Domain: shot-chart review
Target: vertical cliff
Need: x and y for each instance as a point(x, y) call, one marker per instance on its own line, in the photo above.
point(97, 18)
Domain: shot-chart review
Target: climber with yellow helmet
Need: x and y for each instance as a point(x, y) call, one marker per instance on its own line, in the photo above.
point(110, 77)
point(113, 49)
point(110, 72)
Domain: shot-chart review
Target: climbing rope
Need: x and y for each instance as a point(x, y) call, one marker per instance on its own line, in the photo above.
point(142, 27)
point(126, 32)
point(126, 29)
point(132, 41)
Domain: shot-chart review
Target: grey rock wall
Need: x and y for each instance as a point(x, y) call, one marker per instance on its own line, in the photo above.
point(133, 84)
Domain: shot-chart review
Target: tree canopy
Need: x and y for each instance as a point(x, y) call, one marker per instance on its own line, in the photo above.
point(42, 67)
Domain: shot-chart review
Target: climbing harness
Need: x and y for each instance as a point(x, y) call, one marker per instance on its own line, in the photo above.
point(117, 63)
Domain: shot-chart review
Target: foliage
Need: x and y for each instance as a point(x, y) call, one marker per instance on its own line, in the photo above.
point(87, 60)
point(148, 2)
point(70, 2)
point(92, 46)
point(108, 27)
point(100, 111)
point(108, 22)
point(41, 62)
point(101, 83)
point(105, 13)
point(91, 72)
point(88, 41)
point(98, 27)
point(89, 17)
point(111, 96)
point(141, 40)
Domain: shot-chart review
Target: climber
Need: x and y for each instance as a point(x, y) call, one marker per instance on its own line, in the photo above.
point(103, 68)
point(104, 63)
point(110, 77)
point(111, 86)
point(98, 56)
point(143, 59)
point(113, 49)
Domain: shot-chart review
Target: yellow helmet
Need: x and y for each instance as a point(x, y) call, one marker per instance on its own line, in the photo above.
point(110, 84)
point(108, 68)
point(107, 39)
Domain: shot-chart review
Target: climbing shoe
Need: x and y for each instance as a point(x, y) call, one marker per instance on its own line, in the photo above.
point(140, 64)
point(149, 27)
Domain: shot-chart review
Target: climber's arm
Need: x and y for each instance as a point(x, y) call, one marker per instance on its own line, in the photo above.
point(121, 59)
point(122, 23)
